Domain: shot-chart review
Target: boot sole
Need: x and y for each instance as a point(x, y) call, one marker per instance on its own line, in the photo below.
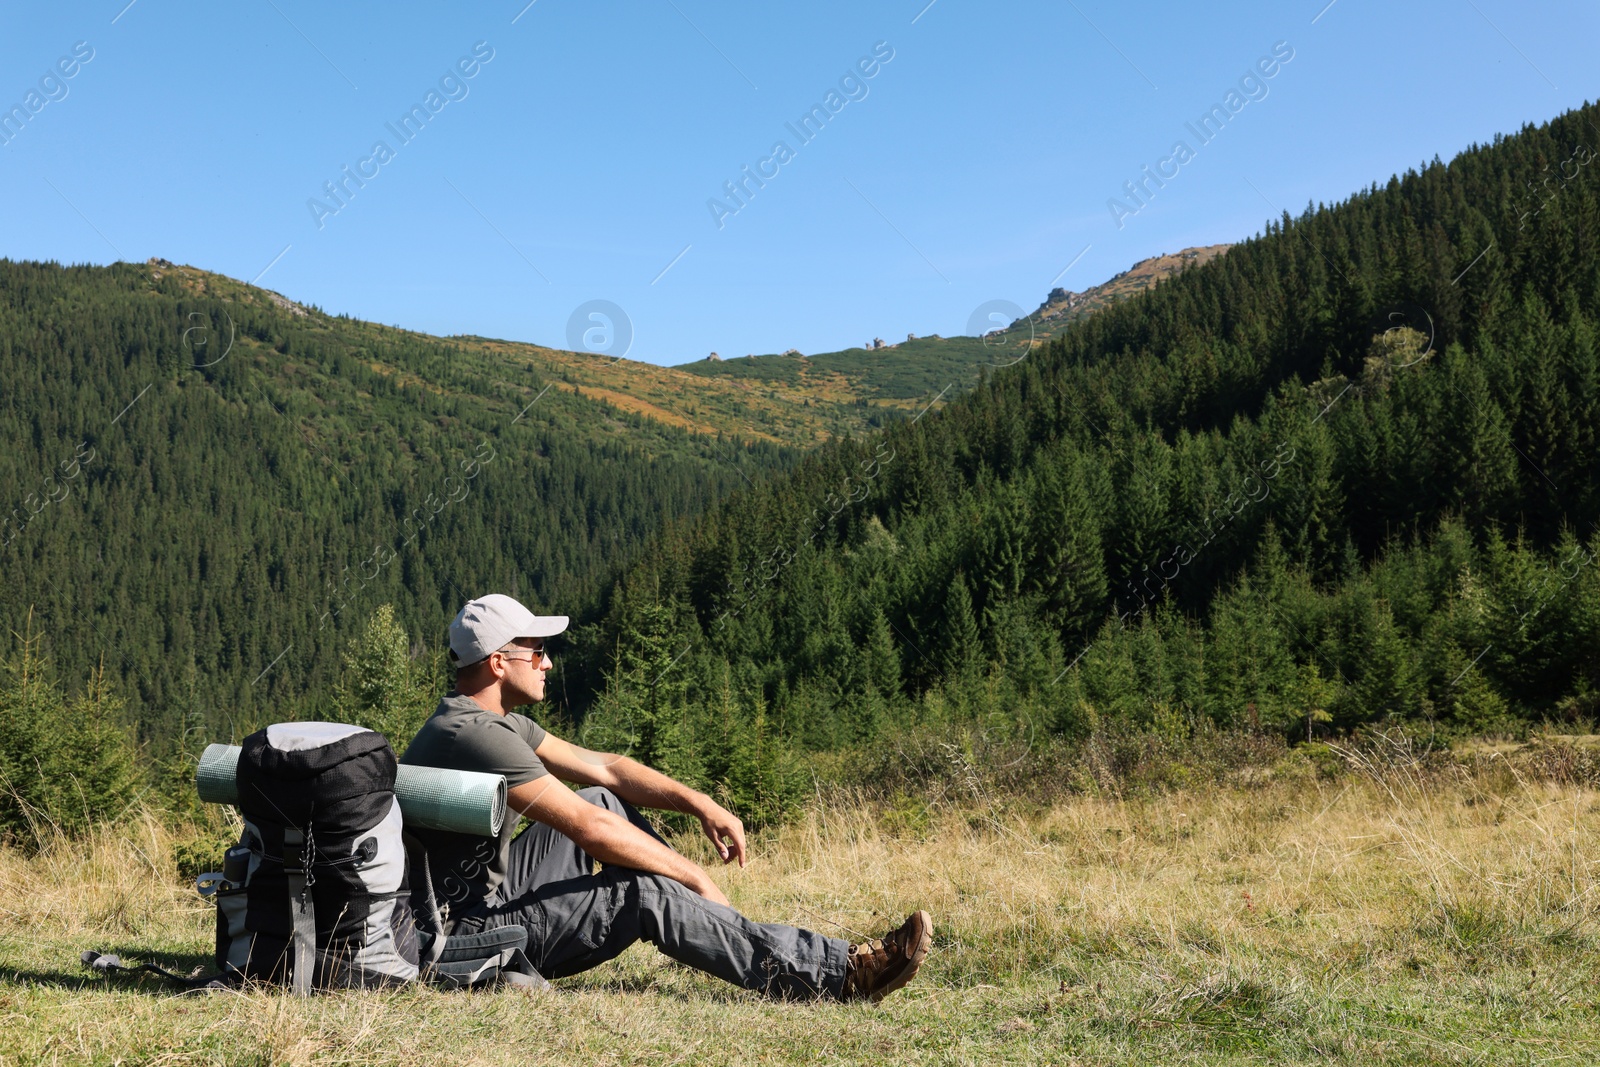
point(913, 960)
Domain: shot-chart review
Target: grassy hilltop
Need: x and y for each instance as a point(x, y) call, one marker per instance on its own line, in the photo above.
point(915, 371)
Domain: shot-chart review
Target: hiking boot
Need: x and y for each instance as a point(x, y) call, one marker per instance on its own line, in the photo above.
point(882, 965)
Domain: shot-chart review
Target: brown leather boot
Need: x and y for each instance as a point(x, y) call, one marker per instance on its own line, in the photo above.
point(882, 965)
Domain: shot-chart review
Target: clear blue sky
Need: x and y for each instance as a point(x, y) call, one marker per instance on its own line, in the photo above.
point(579, 162)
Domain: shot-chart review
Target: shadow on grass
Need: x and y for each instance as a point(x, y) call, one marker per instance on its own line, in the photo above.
point(77, 977)
point(673, 981)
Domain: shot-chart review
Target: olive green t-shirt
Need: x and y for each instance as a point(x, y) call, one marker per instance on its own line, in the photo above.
point(463, 735)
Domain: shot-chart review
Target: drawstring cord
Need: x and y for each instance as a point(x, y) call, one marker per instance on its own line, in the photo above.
point(308, 856)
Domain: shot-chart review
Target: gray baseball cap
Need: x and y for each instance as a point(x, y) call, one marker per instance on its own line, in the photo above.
point(491, 622)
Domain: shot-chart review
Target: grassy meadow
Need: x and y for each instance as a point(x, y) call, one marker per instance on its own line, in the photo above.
point(1372, 905)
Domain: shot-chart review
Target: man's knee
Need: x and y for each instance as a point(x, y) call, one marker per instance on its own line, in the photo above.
point(601, 797)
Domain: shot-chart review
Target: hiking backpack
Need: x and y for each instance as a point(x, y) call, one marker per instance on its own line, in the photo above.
point(318, 893)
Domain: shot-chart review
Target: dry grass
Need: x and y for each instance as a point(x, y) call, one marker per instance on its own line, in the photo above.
point(1394, 913)
point(802, 413)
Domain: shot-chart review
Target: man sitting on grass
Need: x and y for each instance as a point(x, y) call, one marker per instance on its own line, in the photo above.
point(544, 878)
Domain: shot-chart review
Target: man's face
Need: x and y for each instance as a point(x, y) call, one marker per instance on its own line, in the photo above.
point(525, 663)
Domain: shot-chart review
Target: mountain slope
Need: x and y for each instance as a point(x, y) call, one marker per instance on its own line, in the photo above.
point(907, 374)
point(797, 412)
point(1063, 306)
point(210, 486)
point(805, 400)
point(1347, 472)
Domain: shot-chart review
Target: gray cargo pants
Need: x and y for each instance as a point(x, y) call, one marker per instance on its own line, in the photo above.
point(578, 919)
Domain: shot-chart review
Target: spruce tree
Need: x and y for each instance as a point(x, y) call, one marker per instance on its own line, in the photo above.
point(881, 657)
point(961, 643)
point(1068, 567)
point(65, 765)
point(382, 687)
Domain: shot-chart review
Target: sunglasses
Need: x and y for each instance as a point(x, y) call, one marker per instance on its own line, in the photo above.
point(539, 655)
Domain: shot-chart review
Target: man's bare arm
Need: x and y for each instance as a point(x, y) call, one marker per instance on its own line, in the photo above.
point(645, 788)
point(606, 836)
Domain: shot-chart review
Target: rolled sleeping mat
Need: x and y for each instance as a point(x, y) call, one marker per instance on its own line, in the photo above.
point(436, 798)
point(466, 802)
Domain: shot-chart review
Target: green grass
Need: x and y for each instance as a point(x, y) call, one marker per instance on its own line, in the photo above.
point(1389, 915)
point(909, 371)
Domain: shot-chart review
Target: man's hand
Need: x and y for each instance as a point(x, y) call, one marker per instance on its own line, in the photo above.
point(638, 784)
point(609, 837)
point(725, 830)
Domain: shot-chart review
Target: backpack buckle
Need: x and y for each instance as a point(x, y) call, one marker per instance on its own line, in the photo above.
point(211, 883)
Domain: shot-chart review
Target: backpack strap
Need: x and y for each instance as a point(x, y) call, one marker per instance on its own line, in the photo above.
point(298, 850)
point(492, 955)
point(432, 926)
point(107, 964)
point(460, 961)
